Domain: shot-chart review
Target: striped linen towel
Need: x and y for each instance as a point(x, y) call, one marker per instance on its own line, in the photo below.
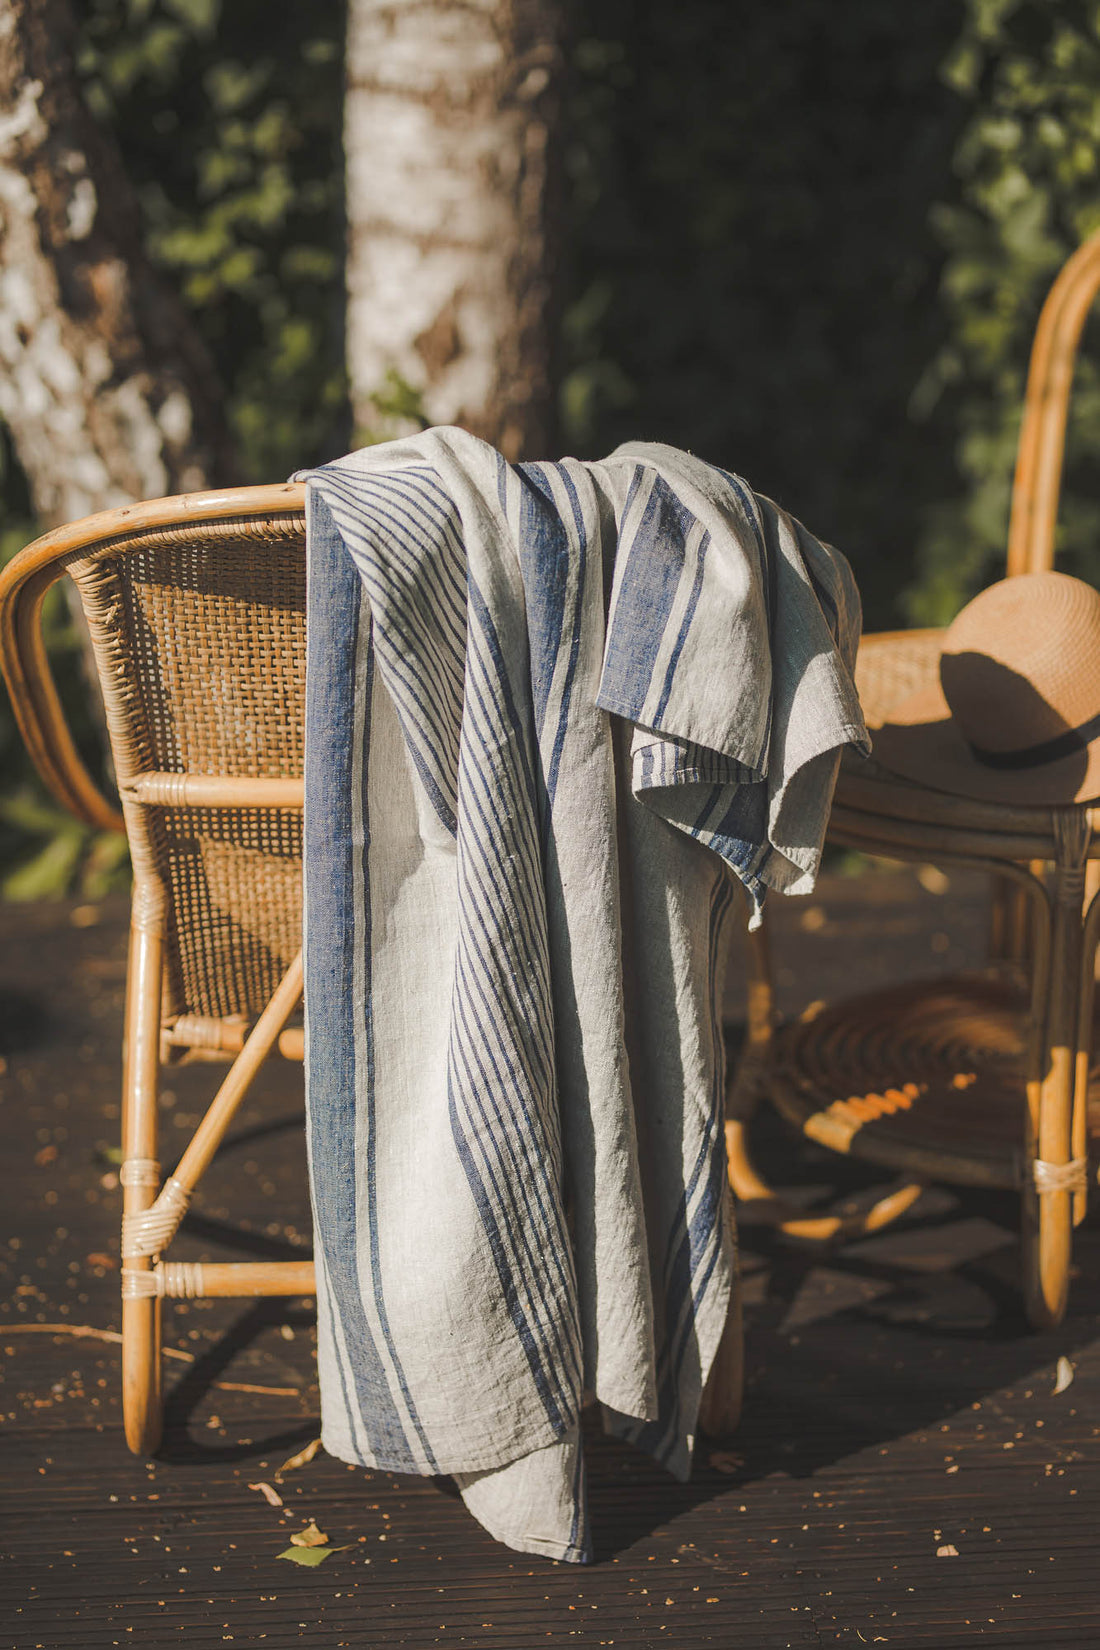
point(516, 912)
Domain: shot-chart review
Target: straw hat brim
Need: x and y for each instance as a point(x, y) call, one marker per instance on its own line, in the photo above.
point(920, 740)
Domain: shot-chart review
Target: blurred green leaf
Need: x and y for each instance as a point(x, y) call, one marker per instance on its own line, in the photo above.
point(49, 874)
point(398, 401)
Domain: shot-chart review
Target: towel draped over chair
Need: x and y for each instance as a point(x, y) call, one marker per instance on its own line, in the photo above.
point(549, 709)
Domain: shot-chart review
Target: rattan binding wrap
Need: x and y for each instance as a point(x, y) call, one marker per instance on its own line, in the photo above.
point(199, 633)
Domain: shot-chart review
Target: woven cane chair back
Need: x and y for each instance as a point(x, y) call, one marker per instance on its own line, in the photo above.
point(200, 638)
point(196, 609)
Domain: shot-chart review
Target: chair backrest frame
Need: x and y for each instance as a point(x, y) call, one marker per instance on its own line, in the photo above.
point(242, 802)
point(1037, 483)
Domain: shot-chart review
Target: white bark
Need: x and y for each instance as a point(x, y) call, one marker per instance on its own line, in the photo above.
point(102, 383)
point(449, 122)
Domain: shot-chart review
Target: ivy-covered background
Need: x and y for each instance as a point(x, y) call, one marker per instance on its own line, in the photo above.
point(808, 242)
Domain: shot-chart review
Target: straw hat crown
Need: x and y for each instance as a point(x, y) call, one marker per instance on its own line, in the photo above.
point(1016, 717)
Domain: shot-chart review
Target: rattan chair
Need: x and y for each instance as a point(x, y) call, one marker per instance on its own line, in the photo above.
point(981, 1080)
point(196, 608)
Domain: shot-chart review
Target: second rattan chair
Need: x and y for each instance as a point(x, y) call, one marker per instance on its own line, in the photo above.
point(983, 1080)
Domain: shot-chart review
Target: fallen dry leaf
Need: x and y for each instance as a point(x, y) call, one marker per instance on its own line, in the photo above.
point(311, 1536)
point(948, 1550)
point(272, 1497)
point(1064, 1376)
point(302, 1459)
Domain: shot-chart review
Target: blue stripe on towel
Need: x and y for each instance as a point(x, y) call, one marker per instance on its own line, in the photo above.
point(333, 642)
point(502, 1093)
point(655, 552)
point(693, 602)
point(554, 574)
point(365, 1080)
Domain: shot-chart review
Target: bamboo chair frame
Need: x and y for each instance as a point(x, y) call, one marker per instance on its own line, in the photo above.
point(1045, 919)
point(248, 527)
point(238, 556)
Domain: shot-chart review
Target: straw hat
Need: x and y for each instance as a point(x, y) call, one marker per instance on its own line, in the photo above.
point(1016, 715)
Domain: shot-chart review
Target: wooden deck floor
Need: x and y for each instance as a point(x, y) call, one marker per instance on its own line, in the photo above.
point(898, 1410)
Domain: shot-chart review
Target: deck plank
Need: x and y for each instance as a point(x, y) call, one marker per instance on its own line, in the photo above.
point(896, 1405)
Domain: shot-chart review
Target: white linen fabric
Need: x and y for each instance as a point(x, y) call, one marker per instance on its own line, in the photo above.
point(549, 709)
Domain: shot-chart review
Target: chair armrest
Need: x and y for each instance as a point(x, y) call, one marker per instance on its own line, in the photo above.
point(24, 583)
point(35, 702)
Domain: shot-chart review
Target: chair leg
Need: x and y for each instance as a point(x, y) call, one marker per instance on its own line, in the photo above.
point(142, 1396)
point(1048, 1245)
point(720, 1408)
point(1085, 1007)
point(1047, 1225)
point(749, 1079)
point(1011, 936)
point(142, 1400)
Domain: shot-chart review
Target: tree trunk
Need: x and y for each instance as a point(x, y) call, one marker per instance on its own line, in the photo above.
point(104, 383)
point(449, 133)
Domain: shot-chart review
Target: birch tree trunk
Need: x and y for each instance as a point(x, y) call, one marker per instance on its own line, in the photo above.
point(449, 136)
point(104, 383)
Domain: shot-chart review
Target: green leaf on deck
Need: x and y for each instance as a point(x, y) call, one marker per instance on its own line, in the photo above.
point(309, 1555)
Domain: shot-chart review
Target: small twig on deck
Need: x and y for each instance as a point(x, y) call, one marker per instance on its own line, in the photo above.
point(243, 1386)
point(88, 1331)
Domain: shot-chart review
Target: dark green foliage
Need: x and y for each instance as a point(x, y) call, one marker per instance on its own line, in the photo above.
point(811, 243)
point(808, 241)
point(229, 122)
point(229, 119)
point(1027, 192)
point(757, 274)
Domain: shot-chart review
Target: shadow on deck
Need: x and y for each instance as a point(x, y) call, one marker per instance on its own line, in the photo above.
point(905, 1474)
